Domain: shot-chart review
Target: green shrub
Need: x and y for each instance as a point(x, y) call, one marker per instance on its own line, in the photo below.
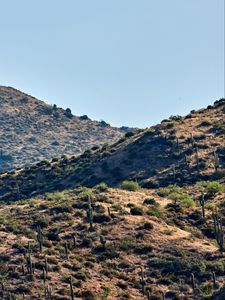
point(143, 249)
point(54, 196)
point(150, 201)
point(136, 211)
point(127, 243)
point(206, 123)
point(129, 134)
point(101, 218)
point(176, 194)
point(101, 187)
point(164, 192)
point(210, 187)
point(207, 289)
point(175, 118)
point(86, 195)
point(187, 201)
point(130, 186)
point(154, 211)
point(148, 226)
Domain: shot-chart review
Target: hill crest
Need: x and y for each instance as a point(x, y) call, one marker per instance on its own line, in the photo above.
point(180, 150)
point(31, 130)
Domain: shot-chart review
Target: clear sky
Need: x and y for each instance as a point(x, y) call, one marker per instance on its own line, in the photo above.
point(128, 62)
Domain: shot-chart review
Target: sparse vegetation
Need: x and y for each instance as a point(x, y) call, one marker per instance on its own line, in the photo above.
point(66, 230)
point(130, 186)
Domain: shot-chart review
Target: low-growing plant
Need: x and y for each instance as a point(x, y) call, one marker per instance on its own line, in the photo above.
point(136, 211)
point(129, 185)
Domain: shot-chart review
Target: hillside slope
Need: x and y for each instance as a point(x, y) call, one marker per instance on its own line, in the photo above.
point(61, 240)
point(31, 130)
point(141, 245)
point(179, 150)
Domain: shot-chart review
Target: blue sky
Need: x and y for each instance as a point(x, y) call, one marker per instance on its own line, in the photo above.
point(128, 62)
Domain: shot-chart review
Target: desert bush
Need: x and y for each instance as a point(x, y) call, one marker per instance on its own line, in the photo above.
point(129, 186)
point(207, 289)
point(205, 123)
point(101, 187)
point(210, 187)
point(41, 221)
point(127, 243)
point(63, 208)
point(88, 295)
point(86, 195)
point(219, 127)
point(148, 226)
point(136, 211)
point(176, 194)
point(101, 218)
point(54, 196)
point(150, 201)
point(175, 118)
point(143, 249)
point(154, 211)
point(129, 134)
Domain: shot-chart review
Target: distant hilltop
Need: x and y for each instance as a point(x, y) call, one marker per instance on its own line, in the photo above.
point(31, 130)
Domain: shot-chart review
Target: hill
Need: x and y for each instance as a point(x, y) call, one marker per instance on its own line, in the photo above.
point(31, 130)
point(111, 244)
point(180, 150)
point(156, 233)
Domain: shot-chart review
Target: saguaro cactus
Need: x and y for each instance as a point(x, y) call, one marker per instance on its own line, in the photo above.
point(109, 211)
point(103, 241)
point(44, 274)
point(46, 266)
point(197, 158)
point(30, 269)
point(71, 289)
point(174, 171)
point(74, 237)
point(192, 141)
point(202, 203)
point(193, 284)
point(40, 238)
point(178, 146)
point(66, 250)
point(216, 161)
point(90, 214)
point(48, 293)
point(143, 282)
point(214, 279)
point(218, 230)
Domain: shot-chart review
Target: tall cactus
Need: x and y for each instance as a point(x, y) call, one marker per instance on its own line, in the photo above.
point(178, 146)
point(48, 293)
point(74, 237)
point(197, 158)
point(202, 203)
point(30, 268)
point(66, 250)
point(40, 238)
point(44, 274)
point(71, 289)
point(109, 211)
point(143, 282)
point(214, 279)
point(103, 241)
point(193, 284)
point(46, 266)
point(218, 230)
point(192, 141)
point(174, 171)
point(216, 161)
point(90, 214)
